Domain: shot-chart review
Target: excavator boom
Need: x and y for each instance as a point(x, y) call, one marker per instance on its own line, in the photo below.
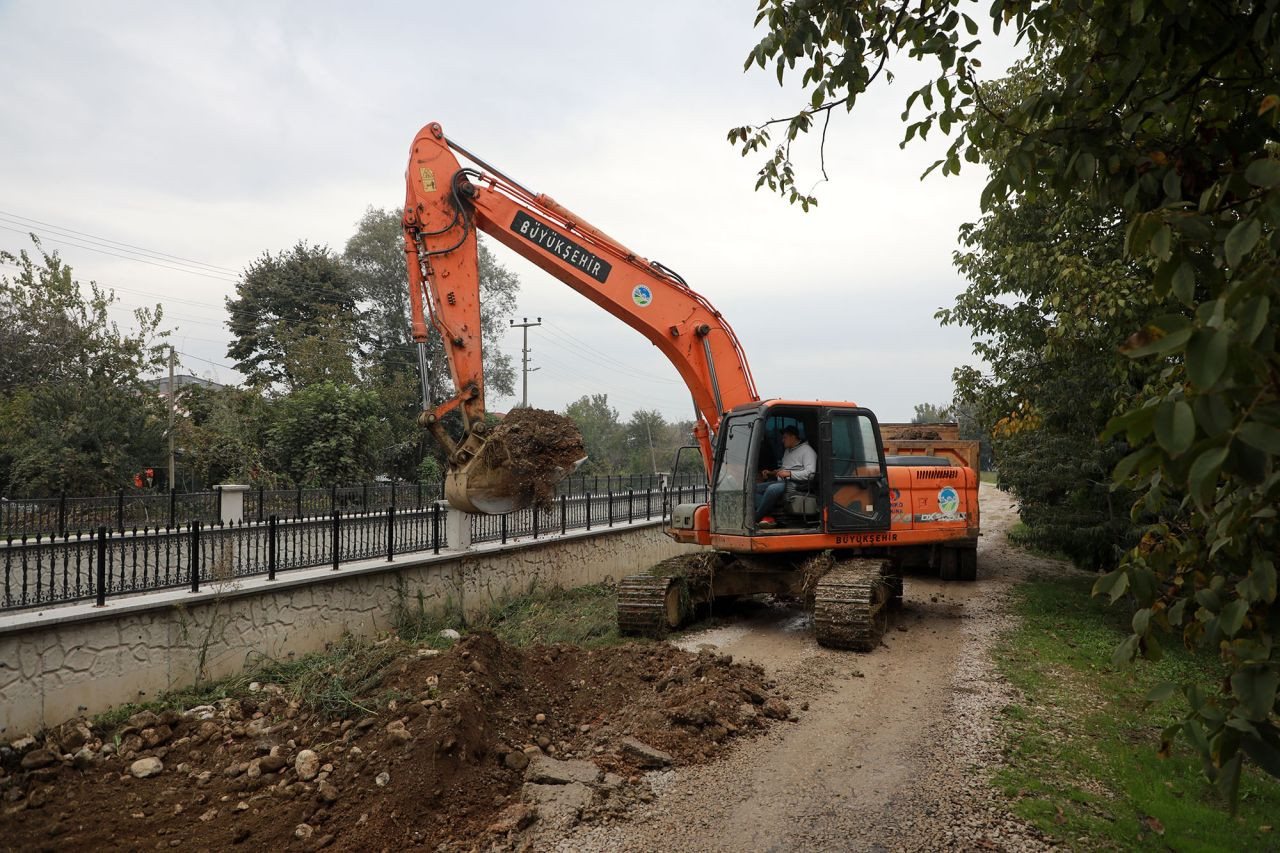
point(447, 205)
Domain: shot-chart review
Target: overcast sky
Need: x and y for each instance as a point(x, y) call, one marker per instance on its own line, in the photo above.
point(213, 132)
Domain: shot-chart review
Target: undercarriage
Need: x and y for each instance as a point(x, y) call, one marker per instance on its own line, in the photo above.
point(850, 595)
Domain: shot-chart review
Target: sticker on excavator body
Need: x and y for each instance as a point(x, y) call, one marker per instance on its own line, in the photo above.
point(641, 295)
point(562, 247)
point(428, 179)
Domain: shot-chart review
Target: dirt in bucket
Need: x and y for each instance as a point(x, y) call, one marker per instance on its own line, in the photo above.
point(534, 449)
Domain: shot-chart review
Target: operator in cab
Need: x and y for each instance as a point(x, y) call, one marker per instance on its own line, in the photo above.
point(799, 465)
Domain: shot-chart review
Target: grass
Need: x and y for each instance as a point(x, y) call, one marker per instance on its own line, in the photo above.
point(583, 616)
point(992, 477)
point(1024, 537)
point(333, 682)
point(1081, 755)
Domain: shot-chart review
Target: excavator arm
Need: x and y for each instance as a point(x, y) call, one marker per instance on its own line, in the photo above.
point(447, 204)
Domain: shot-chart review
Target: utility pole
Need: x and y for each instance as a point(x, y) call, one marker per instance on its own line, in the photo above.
point(524, 357)
point(173, 404)
point(653, 457)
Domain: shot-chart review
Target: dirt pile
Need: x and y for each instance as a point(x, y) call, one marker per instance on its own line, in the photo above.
point(917, 434)
point(534, 448)
point(460, 750)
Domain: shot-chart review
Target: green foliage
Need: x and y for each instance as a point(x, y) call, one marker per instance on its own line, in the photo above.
point(223, 437)
point(75, 412)
point(1165, 117)
point(374, 260)
point(294, 319)
point(1079, 750)
point(326, 434)
point(928, 413)
point(643, 444)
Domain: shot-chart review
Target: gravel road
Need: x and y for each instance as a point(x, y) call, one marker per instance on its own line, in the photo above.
point(892, 748)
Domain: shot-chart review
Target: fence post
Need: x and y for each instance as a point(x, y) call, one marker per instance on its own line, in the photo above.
point(648, 503)
point(435, 526)
point(102, 567)
point(502, 525)
point(631, 495)
point(271, 548)
point(610, 505)
point(564, 514)
point(535, 522)
point(337, 534)
point(193, 556)
point(62, 513)
point(120, 510)
point(588, 510)
point(391, 532)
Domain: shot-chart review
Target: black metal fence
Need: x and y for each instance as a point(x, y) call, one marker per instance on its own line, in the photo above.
point(123, 510)
point(42, 570)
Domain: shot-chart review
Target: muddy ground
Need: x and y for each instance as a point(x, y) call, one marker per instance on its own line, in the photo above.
point(744, 735)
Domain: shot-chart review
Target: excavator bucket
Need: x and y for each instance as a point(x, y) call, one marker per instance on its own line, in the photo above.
point(515, 464)
point(493, 488)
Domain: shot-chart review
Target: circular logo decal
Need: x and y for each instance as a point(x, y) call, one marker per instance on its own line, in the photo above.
point(948, 500)
point(641, 295)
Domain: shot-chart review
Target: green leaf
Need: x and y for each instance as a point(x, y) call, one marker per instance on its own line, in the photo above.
point(1206, 357)
point(1113, 583)
point(1265, 438)
point(1263, 173)
point(1241, 240)
point(1260, 584)
point(1125, 652)
point(1255, 688)
point(1160, 692)
point(1232, 617)
point(1204, 474)
point(1184, 283)
point(1175, 426)
point(1162, 345)
point(1264, 754)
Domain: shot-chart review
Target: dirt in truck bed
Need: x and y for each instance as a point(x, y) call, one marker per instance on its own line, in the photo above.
point(534, 446)
point(475, 747)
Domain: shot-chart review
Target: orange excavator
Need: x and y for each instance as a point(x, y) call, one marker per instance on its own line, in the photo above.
point(840, 539)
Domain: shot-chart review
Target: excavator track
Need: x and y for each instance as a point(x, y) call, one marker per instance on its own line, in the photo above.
point(851, 603)
point(649, 605)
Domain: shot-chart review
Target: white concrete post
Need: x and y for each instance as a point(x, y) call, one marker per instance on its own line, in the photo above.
point(457, 528)
point(233, 503)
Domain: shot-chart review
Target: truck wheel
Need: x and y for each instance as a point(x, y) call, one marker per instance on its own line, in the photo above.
point(949, 564)
point(968, 563)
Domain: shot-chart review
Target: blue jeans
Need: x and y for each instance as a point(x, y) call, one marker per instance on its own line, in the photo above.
point(767, 497)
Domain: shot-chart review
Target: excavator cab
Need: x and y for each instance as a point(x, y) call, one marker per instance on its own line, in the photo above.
point(850, 491)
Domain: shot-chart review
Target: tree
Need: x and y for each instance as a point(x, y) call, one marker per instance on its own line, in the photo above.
point(928, 413)
point(328, 434)
point(603, 435)
point(222, 437)
point(294, 319)
point(1168, 115)
point(75, 412)
point(374, 259)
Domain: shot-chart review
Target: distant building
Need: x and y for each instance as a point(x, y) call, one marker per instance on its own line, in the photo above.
point(180, 381)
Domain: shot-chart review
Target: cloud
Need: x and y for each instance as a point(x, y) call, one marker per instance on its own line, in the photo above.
point(219, 131)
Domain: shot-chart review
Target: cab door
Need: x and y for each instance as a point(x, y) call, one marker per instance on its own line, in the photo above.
point(855, 483)
point(733, 486)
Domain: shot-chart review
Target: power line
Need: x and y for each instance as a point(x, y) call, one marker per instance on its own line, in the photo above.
point(124, 257)
point(106, 240)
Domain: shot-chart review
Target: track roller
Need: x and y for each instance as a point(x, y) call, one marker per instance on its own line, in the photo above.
point(850, 605)
point(650, 606)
